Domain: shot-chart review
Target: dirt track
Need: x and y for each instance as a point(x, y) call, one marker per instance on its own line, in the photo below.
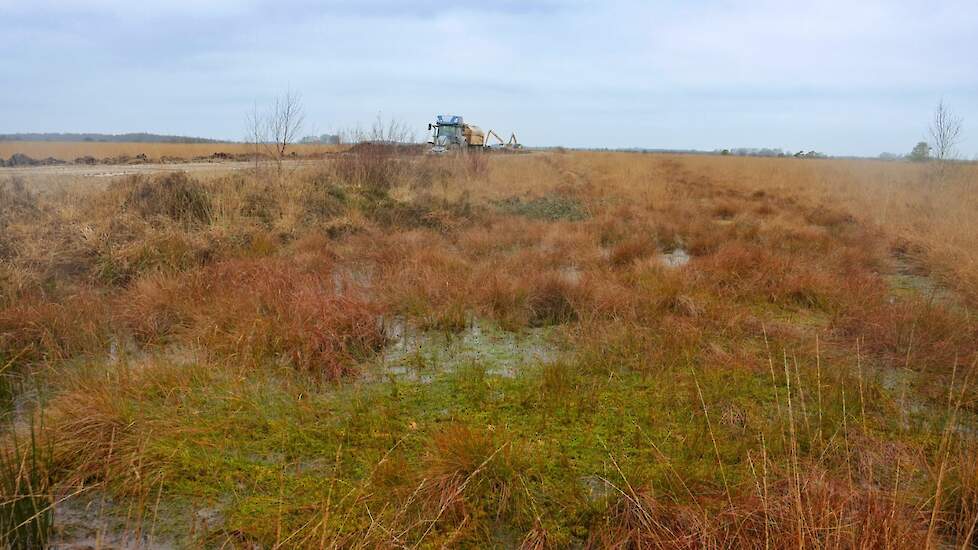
point(112, 170)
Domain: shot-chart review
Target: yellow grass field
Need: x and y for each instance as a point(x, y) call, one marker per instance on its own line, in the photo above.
point(906, 200)
point(550, 350)
point(70, 150)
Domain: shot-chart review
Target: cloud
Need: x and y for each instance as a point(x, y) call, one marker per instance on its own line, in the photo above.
point(837, 76)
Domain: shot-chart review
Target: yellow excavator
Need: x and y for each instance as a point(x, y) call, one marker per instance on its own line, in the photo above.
point(513, 143)
point(451, 132)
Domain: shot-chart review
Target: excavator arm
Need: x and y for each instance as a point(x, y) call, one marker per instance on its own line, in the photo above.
point(493, 134)
point(513, 143)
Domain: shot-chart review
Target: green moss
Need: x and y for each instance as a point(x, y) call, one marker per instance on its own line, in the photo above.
point(549, 208)
point(267, 450)
point(279, 454)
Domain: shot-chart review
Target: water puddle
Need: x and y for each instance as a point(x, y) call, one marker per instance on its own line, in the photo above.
point(901, 385)
point(418, 356)
point(909, 279)
point(597, 489)
point(87, 523)
point(678, 257)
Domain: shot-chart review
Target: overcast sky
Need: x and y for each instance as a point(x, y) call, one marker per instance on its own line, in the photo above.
point(842, 77)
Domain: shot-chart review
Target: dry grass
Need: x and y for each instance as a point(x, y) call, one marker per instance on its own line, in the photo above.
point(931, 221)
point(68, 151)
point(779, 389)
point(824, 514)
point(256, 311)
point(467, 468)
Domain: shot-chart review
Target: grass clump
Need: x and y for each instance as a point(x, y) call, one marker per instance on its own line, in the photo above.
point(375, 168)
point(26, 501)
point(18, 204)
point(551, 300)
point(175, 195)
point(37, 330)
point(547, 208)
point(259, 311)
point(472, 473)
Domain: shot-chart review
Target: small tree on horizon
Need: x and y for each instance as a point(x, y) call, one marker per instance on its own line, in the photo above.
point(920, 152)
point(285, 122)
point(945, 131)
point(272, 132)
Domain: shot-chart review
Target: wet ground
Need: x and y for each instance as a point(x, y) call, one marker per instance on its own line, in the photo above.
point(417, 355)
point(89, 522)
point(676, 258)
point(909, 278)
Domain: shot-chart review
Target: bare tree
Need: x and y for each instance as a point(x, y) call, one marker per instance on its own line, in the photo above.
point(391, 131)
point(945, 131)
point(285, 122)
point(272, 132)
point(256, 135)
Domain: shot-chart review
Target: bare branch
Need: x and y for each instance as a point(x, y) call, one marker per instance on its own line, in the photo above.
point(285, 122)
point(273, 132)
point(256, 136)
point(945, 131)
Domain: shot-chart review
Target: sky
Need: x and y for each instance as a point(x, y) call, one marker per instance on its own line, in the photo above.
point(854, 77)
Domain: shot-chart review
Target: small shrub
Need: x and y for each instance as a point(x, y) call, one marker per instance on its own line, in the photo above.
point(505, 299)
point(374, 168)
point(472, 471)
point(425, 211)
point(166, 251)
point(389, 212)
point(107, 415)
point(260, 204)
point(16, 203)
point(16, 199)
point(626, 252)
point(34, 329)
point(152, 309)
point(259, 311)
point(176, 196)
point(551, 300)
point(324, 201)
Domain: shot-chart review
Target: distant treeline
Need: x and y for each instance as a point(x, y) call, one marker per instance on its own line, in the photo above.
point(739, 152)
point(111, 138)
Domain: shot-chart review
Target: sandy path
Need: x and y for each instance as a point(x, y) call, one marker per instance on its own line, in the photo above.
point(111, 170)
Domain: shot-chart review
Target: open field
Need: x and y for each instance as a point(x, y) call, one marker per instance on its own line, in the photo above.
point(68, 151)
point(535, 351)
